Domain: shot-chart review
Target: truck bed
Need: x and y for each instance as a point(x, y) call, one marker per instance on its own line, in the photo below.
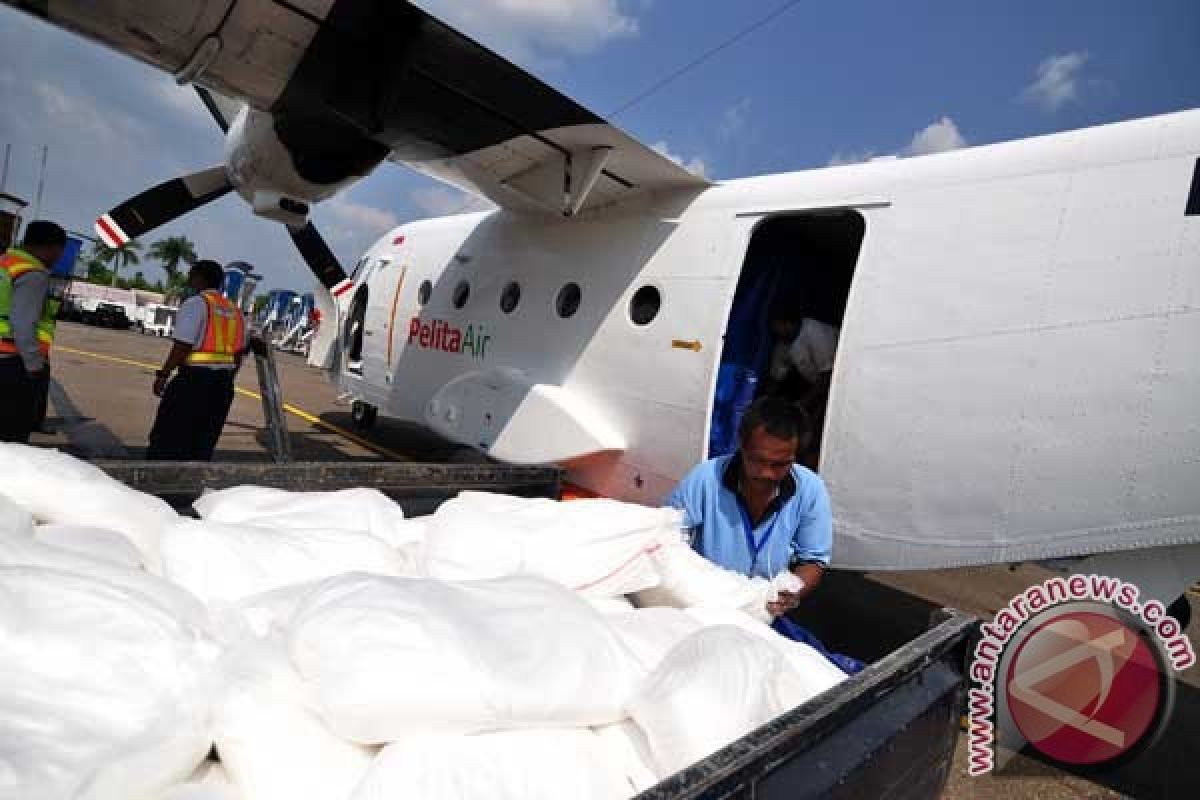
point(888, 732)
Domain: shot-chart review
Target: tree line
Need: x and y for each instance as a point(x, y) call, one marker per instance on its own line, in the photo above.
point(175, 254)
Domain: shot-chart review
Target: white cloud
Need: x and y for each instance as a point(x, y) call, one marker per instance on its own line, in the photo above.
point(532, 30)
point(441, 201)
point(183, 102)
point(937, 137)
point(353, 226)
point(940, 136)
point(694, 165)
point(363, 216)
point(734, 120)
point(1057, 81)
point(842, 158)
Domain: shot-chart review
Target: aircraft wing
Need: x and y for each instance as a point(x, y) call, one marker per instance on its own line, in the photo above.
point(349, 80)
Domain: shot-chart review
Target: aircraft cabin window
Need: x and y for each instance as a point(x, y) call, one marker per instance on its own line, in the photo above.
point(461, 293)
point(510, 297)
point(424, 292)
point(644, 306)
point(569, 298)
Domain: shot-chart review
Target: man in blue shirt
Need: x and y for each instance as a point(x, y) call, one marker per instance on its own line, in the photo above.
point(757, 512)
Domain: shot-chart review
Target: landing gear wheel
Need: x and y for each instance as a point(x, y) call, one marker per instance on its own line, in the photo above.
point(363, 414)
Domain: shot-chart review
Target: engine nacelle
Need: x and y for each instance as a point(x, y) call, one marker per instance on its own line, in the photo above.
point(279, 207)
point(263, 173)
point(282, 167)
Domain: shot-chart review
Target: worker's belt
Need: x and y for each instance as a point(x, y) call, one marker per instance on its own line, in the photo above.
point(203, 359)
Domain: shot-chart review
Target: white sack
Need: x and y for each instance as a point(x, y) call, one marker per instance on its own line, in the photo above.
point(387, 658)
point(208, 782)
point(14, 520)
point(608, 605)
point(57, 488)
point(103, 693)
point(509, 765)
point(264, 614)
point(98, 543)
point(626, 749)
point(362, 510)
point(273, 746)
point(596, 546)
point(689, 579)
point(712, 688)
point(25, 550)
point(650, 633)
point(813, 671)
point(222, 564)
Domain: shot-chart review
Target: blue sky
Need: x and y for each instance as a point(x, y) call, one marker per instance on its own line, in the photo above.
point(823, 83)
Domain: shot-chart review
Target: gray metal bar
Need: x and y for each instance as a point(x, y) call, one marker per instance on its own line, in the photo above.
point(272, 402)
point(419, 488)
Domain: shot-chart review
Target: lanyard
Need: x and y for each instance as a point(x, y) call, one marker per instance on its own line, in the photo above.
point(755, 547)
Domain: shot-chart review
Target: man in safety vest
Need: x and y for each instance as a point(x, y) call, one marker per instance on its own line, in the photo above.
point(209, 344)
point(26, 325)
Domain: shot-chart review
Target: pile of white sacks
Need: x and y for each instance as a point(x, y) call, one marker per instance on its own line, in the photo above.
point(330, 649)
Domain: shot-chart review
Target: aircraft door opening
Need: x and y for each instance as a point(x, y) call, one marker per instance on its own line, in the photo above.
point(355, 327)
point(781, 335)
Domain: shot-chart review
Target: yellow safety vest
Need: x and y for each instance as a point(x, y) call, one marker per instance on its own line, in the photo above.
point(223, 332)
point(14, 264)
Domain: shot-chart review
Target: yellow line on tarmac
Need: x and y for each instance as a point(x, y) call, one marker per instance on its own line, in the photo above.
point(311, 419)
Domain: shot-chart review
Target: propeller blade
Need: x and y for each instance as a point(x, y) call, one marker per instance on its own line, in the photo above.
point(222, 108)
point(320, 259)
point(160, 205)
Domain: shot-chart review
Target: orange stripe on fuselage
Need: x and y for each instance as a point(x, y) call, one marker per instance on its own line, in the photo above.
point(391, 332)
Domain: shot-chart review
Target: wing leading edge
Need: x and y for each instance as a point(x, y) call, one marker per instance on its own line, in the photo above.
point(349, 82)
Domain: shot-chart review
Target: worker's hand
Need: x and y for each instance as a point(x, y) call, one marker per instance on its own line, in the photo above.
point(160, 383)
point(785, 602)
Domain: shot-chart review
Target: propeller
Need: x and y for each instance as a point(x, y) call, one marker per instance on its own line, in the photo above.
point(174, 198)
point(320, 259)
point(160, 205)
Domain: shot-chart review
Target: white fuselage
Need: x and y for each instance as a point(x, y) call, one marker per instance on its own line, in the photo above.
point(1017, 375)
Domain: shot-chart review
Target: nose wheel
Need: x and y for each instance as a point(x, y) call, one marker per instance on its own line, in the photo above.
point(363, 414)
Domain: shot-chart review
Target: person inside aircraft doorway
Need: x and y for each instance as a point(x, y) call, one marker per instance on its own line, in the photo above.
point(209, 345)
point(759, 513)
point(801, 367)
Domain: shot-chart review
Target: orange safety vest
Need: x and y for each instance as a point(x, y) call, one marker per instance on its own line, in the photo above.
point(14, 264)
point(223, 332)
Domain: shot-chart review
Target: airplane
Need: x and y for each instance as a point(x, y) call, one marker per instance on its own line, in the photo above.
point(1017, 375)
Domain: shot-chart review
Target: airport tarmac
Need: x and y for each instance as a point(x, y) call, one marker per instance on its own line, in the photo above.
point(101, 407)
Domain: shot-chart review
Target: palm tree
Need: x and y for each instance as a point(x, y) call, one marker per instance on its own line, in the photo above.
point(171, 252)
point(117, 257)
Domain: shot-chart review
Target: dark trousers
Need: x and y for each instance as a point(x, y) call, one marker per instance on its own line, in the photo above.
point(191, 415)
point(16, 401)
point(41, 397)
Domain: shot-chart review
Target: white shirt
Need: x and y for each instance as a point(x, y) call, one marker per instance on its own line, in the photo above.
point(811, 353)
point(191, 323)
